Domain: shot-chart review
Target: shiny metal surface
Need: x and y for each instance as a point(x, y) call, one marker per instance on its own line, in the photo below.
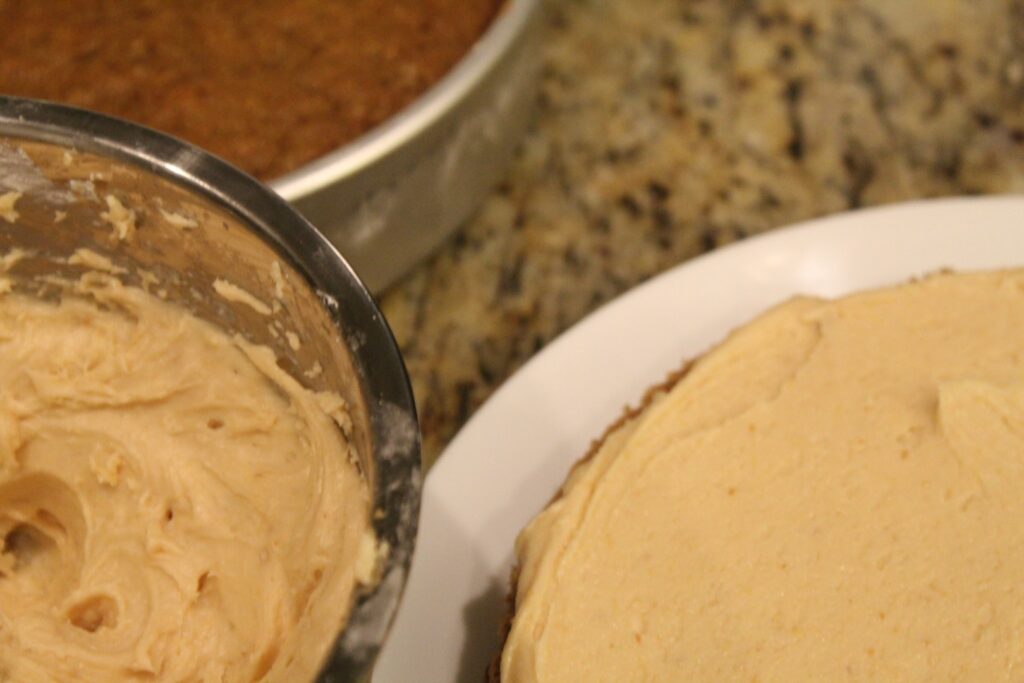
point(69, 161)
point(389, 198)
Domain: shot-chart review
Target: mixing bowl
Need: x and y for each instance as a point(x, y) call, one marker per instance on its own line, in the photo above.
point(195, 220)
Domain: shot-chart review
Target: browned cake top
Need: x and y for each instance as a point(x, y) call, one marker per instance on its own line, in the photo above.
point(267, 84)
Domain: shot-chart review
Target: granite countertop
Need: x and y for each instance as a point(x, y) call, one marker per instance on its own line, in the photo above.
point(668, 128)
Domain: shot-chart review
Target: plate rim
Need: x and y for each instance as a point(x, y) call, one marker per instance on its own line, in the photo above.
point(820, 230)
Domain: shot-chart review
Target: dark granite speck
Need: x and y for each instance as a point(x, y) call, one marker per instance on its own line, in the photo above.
point(668, 128)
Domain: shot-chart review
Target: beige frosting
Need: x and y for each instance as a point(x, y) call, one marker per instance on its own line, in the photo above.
point(836, 493)
point(173, 506)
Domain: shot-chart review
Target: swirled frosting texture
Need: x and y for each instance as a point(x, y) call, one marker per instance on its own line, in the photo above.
point(832, 494)
point(173, 506)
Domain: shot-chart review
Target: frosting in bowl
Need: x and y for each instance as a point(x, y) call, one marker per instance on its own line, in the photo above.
point(173, 505)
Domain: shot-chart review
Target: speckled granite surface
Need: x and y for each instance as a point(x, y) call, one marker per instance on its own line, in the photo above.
point(667, 128)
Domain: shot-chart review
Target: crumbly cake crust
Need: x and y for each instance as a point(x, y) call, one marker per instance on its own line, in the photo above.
point(269, 89)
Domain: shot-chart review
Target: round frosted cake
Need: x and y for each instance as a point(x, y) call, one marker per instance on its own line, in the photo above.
point(834, 493)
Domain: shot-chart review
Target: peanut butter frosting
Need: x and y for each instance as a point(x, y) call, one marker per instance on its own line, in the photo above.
point(173, 506)
point(832, 494)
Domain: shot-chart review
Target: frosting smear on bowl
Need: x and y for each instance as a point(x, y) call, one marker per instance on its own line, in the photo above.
point(173, 505)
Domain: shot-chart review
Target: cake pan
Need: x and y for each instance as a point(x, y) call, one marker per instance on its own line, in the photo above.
point(390, 197)
point(64, 162)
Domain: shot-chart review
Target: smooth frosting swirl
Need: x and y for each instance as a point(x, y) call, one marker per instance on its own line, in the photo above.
point(832, 494)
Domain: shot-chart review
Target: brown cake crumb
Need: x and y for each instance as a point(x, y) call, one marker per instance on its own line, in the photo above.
point(268, 85)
